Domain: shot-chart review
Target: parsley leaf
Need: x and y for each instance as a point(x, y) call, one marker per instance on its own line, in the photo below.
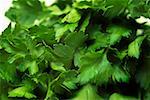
point(78, 49)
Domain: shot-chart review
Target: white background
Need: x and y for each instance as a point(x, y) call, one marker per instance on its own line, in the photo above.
point(4, 6)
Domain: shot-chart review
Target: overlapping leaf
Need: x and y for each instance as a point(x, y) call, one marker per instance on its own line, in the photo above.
point(50, 52)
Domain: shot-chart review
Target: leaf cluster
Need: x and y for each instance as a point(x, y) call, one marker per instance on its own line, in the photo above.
point(76, 49)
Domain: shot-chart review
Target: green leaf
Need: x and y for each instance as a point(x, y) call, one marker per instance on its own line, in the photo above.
point(33, 67)
point(139, 8)
point(7, 71)
point(88, 92)
point(0, 47)
point(73, 17)
point(70, 84)
point(7, 45)
point(41, 79)
point(63, 51)
point(121, 55)
point(63, 54)
point(94, 4)
point(85, 23)
point(50, 94)
point(61, 29)
point(23, 66)
point(53, 51)
point(82, 5)
point(120, 75)
point(117, 32)
point(15, 57)
point(101, 40)
point(55, 10)
point(25, 12)
point(43, 33)
point(21, 92)
point(116, 96)
point(25, 89)
point(58, 66)
point(64, 81)
point(75, 39)
point(97, 65)
point(115, 7)
point(134, 47)
point(77, 57)
point(3, 89)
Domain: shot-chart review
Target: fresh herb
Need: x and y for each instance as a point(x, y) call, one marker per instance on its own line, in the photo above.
point(76, 49)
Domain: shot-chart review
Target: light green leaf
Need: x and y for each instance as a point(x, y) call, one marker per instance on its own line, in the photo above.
point(0, 47)
point(117, 32)
point(122, 54)
point(73, 17)
point(85, 23)
point(77, 57)
point(61, 29)
point(71, 26)
point(58, 66)
point(120, 75)
point(134, 47)
point(21, 92)
point(7, 46)
point(88, 92)
point(33, 67)
point(94, 4)
point(116, 96)
point(55, 10)
point(70, 84)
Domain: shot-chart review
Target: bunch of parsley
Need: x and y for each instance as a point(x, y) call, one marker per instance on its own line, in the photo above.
point(76, 50)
